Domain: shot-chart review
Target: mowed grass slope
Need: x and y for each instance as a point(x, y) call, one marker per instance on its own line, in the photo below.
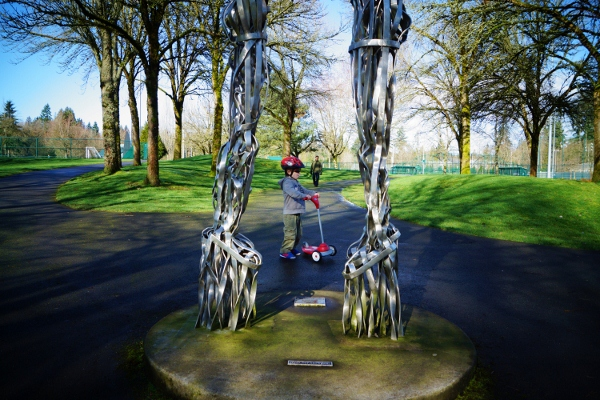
point(11, 166)
point(541, 211)
point(186, 186)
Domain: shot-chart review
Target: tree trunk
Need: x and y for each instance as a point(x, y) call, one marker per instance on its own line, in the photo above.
point(596, 172)
point(218, 70)
point(217, 130)
point(152, 174)
point(178, 112)
point(110, 108)
point(287, 141)
point(135, 119)
point(533, 153)
point(465, 159)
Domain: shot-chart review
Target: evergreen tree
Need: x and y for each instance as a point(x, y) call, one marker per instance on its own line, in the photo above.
point(8, 121)
point(46, 114)
point(162, 150)
point(9, 111)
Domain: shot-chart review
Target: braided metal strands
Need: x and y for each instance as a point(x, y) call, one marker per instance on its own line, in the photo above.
point(371, 293)
point(229, 263)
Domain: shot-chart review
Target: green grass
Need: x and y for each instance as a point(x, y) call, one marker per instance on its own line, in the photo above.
point(186, 186)
point(522, 209)
point(480, 386)
point(12, 166)
point(540, 211)
point(133, 362)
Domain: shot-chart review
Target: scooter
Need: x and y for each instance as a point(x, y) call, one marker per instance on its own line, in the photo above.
point(316, 252)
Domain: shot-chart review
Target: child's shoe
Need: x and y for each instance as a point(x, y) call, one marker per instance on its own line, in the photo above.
point(296, 252)
point(288, 256)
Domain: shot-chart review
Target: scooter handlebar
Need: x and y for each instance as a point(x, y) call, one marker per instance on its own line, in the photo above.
point(315, 200)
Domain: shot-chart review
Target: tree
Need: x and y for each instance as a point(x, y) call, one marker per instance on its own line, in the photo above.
point(46, 114)
point(150, 48)
point(183, 66)
point(500, 136)
point(218, 48)
point(63, 28)
point(8, 120)
point(335, 118)
point(533, 82)
point(132, 70)
point(297, 62)
point(578, 20)
point(144, 134)
point(448, 75)
point(9, 111)
point(199, 129)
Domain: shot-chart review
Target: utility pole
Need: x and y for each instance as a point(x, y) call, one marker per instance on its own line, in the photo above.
point(550, 147)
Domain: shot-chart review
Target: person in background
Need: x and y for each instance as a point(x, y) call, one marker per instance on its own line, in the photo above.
point(315, 171)
point(294, 197)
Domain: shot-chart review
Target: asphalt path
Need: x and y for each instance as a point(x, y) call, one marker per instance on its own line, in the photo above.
point(77, 287)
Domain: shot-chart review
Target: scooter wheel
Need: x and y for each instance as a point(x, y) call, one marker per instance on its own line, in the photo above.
point(333, 250)
point(316, 256)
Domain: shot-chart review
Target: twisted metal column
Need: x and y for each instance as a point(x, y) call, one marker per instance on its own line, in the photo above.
point(371, 292)
point(229, 263)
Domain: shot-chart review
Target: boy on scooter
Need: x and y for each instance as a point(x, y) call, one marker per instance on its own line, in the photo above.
point(294, 197)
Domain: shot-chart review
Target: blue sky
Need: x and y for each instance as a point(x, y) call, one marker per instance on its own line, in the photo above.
point(33, 83)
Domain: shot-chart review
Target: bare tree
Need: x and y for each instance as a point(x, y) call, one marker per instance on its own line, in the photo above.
point(198, 128)
point(532, 80)
point(61, 29)
point(183, 65)
point(217, 55)
point(579, 20)
point(335, 118)
point(297, 39)
point(448, 74)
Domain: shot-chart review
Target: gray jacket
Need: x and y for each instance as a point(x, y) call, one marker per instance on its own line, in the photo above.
point(293, 196)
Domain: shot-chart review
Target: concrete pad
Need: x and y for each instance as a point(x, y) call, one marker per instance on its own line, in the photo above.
point(434, 360)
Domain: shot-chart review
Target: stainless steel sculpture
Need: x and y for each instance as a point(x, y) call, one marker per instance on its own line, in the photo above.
point(371, 293)
point(229, 263)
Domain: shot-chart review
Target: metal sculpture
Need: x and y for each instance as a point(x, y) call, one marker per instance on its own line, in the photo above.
point(371, 292)
point(229, 263)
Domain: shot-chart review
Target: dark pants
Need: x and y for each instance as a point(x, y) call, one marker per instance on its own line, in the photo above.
point(315, 177)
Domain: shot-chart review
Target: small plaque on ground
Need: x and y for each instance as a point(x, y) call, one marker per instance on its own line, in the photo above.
point(310, 302)
point(298, 363)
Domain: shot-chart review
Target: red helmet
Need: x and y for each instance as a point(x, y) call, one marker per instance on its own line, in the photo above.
point(291, 162)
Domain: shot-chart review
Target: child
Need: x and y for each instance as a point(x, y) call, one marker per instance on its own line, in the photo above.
point(294, 196)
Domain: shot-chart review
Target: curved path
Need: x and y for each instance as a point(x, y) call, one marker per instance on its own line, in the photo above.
point(77, 287)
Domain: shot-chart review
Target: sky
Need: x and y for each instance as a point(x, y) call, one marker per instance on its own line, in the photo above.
point(33, 82)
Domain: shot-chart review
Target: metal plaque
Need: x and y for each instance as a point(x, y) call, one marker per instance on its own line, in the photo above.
point(298, 363)
point(310, 302)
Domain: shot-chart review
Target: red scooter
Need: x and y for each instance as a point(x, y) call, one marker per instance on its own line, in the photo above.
point(316, 252)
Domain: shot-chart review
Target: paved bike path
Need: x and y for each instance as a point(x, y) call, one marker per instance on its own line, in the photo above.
point(77, 287)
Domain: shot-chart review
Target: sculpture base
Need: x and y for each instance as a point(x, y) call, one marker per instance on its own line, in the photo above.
point(434, 360)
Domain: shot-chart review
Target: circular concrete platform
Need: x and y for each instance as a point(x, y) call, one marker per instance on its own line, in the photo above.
point(434, 360)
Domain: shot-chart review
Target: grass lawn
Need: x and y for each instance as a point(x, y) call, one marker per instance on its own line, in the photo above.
point(185, 187)
point(11, 166)
point(541, 211)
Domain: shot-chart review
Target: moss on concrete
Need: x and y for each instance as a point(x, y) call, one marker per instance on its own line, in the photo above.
point(433, 360)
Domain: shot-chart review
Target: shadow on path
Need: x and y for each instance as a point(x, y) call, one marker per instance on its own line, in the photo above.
point(76, 287)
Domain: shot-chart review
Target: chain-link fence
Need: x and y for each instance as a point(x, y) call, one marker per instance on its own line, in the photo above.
point(51, 147)
point(37, 147)
point(560, 170)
